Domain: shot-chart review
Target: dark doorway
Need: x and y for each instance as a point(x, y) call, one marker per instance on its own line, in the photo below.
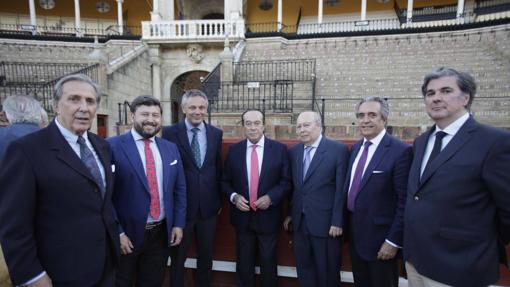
point(186, 81)
point(102, 125)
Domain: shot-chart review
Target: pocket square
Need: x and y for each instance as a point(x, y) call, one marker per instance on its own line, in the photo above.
point(377, 171)
point(113, 168)
point(173, 162)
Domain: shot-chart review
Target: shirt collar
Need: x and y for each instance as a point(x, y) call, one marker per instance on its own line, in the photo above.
point(260, 143)
point(69, 135)
point(138, 137)
point(316, 142)
point(454, 127)
point(189, 126)
point(377, 140)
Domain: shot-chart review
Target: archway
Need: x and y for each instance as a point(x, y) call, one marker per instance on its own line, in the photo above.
point(186, 81)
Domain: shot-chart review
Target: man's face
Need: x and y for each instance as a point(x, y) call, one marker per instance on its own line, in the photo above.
point(253, 126)
point(444, 101)
point(77, 106)
point(308, 130)
point(195, 110)
point(370, 120)
point(147, 120)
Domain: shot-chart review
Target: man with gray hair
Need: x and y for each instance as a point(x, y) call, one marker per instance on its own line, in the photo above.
point(57, 223)
point(457, 215)
point(375, 192)
point(23, 114)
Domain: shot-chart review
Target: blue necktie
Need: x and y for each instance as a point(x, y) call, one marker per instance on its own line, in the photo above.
point(306, 160)
point(195, 147)
point(90, 162)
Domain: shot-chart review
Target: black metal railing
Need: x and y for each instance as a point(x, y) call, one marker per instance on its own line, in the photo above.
point(275, 97)
point(124, 108)
point(23, 72)
point(289, 70)
point(483, 7)
point(429, 13)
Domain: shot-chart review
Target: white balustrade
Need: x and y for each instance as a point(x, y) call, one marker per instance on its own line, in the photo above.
point(350, 26)
point(183, 30)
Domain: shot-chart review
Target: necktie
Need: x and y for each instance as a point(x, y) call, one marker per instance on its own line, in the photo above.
point(152, 180)
point(437, 147)
point(90, 162)
point(306, 160)
point(254, 176)
point(195, 147)
point(358, 175)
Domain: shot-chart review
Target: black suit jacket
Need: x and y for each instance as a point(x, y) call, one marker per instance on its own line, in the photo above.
point(202, 184)
point(274, 181)
point(460, 208)
point(52, 214)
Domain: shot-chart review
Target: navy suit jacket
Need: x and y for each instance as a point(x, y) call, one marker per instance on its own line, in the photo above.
point(379, 206)
point(274, 181)
point(131, 196)
point(456, 212)
point(14, 132)
point(52, 214)
point(203, 184)
point(320, 195)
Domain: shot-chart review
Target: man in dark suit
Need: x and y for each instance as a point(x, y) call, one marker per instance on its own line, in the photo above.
point(256, 179)
point(24, 116)
point(149, 196)
point(458, 202)
point(57, 224)
point(318, 169)
point(375, 188)
point(200, 147)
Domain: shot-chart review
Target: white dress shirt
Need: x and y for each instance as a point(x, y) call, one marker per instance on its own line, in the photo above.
point(260, 156)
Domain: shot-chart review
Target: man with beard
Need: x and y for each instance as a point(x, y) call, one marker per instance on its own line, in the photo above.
point(149, 196)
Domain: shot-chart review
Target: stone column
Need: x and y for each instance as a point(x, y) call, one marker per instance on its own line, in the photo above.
point(120, 21)
point(154, 55)
point(77, 21)
point(409, 11)
point(460, 9)
point(31, 6)
point(363, 10)
point(280, 15)
point(321, 12)
point(155, 11)
point(171, 10)
point(227, 59)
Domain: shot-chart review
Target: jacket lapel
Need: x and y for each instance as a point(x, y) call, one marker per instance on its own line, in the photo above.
point(165, 163)
point(131, 153)
point(379, 154)
point(265, 163)
point(316, 160)
point(209, 145)
point(184, 141)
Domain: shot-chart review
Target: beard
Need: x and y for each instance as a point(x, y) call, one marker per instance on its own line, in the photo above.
point(139, 128)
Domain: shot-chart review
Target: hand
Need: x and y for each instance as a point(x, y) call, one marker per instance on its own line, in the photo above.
point(126, 247)
point(44, 281)
point(263, 202)
point(219, 211)
point(386, 252)
point(241, 203)
point(287, 224)
point(335, 231)
point(176, 236)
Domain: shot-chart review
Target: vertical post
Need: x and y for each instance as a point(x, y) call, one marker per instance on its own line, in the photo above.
point(77, 21)
point(226, 7)
point(460, 9)
point(321, 12)
point(171, 10)
point(280, 15)
point(363, 10)
point(322, 115)
point(155, 11)
point(409, 11)
point(33, 21)
point(120, 21)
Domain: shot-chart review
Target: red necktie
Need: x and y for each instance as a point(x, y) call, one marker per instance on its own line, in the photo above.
point(254, 177)
point(152, 180)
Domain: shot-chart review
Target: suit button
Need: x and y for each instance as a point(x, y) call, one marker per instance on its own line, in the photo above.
point(416, 198)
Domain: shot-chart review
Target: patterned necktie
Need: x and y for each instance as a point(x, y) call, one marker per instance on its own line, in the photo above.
point(90, 162)
point(306, 160)
point(152, 180)
point(195, 147)
point(358, 175)
point(437, 147)
point(254, 177)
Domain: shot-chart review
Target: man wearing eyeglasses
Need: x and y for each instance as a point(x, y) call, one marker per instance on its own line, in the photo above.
point(256, 179)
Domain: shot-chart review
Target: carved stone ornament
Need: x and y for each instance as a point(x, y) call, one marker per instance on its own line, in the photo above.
point(195, 52)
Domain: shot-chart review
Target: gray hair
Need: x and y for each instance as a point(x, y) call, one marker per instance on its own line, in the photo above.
point(193, 93)
point(74, 77)
point(385, 109)
point(22, 109)
point(316, 117)
point(44, 118)
point(465, 82)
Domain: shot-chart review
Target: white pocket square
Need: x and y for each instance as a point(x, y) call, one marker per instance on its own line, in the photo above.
point(173, 162)
point(377, 171)
point(113, 168)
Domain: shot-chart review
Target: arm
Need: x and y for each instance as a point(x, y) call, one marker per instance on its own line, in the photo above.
point(342, 161)
point(179, 192)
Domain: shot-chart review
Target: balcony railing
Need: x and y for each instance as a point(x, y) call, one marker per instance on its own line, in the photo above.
point(196, 30)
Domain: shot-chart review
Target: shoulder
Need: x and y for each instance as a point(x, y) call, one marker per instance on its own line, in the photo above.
point(334, 144)
point(216, 131)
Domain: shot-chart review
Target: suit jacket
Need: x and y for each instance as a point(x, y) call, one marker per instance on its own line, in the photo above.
point(274, 181)
point(14, 132)
point(131, 196)
point(203, 184)
point(379, 206)
point(320, 195)
point(455, 213)
point(52, 214)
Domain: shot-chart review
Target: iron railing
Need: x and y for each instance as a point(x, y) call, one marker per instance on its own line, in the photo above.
point(483, 7)
point(288, 70)
point(429, 13)
point(23, 72)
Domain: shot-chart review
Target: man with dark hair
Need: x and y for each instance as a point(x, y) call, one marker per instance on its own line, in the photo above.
point(457, 213)
point(200, 147)
point(57, 224)
point(149, 196)
point(375, 190)
point(256, 180)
